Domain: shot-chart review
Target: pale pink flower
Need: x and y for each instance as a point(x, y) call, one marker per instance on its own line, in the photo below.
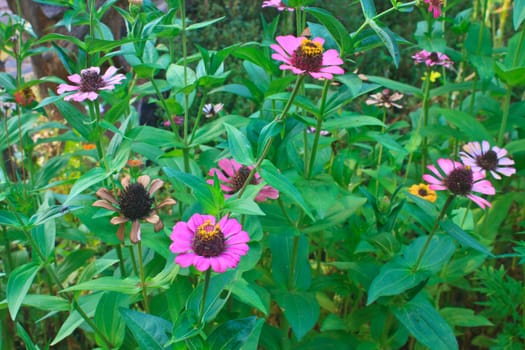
point(459, 180)
point(210, 110)
point(278, 4)
point(434, 6)
point(385, 98)
point(89, 83)
point(233, 176)
point(305, 56)
point(483, 158)
point(431, 59)
point(204, 243)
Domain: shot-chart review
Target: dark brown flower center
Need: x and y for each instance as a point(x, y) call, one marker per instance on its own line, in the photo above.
point(488, 161)
point(460, 181)
point(91, 81)
point(422, 192)
point(434, 57)
point(240, 178)
point(308, 56)
point(135, 202)
point(208, 240)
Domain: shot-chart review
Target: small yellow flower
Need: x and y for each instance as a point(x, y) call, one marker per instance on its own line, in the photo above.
point(423, 191)
point(433, 76)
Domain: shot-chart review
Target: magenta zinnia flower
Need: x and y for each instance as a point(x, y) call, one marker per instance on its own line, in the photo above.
point(460, 180)
point(434, 6)
point(278, 4)
point(432, 59)
point(233, 176)
point(89, 82)
point(305, 56)
point(483, 158)
point(204, 243)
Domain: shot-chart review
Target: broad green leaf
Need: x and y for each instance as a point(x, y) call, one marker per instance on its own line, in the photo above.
point(56, 37)
point(239, 146)
point(199, 186)
point(204, 24)
point(282, 246)
point(334, 26)
point(46, 302)
point(108, 318)
point(232, 335)
point(175, 76)
point(44, 237)
point(26, 338)
point(439, 251)
point(467, 124)
point(92, 177)
point(186, 326)
point(516, 146)
point(246, 294)
point(300, 309)
point(274, 178)
point(463, 317)
point(129, 285)
point(464, 238)
point(388, 40)
point(212, 131)
point(252, 342)
point(18, 284)
point(518, 13)
point(396, 86)
point(8, 218)
point(369, 9)
point(425, 324)
point(75, 118)
point(150, 332)
point(349, 120)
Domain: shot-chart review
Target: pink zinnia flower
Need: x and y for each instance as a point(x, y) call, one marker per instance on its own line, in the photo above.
point(305, 56)
point(432, 59)
point(89, 82)
point(204, 243)
point(233, 176)
point(482, 158)
point(277, 4)
point(460, 180)
point(434, 6)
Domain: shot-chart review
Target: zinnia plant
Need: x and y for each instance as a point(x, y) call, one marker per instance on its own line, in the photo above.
point(205, 242)
point(434, 6)
point(431, 59)
point(278, 4)
point(89, 82)
point(460, 180)
point(305, 56)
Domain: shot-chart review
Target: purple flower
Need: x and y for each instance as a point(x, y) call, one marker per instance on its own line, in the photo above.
point(460, 180)
point(233, 176)
point(305, 56)
point(434, 6)
point(483, 158)
point(89, 82)
point(277, 4)
point(432, 59)
point(204, 243)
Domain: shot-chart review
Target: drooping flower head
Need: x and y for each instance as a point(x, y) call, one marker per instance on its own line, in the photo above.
point(204, 243)
point(211, 110)
point(434, 6)
point(89, 83)
point(233, 176)
point(459, 180)
point(134, 203)
point(431, 59)
point(385, 98)
point(423, 191)
point(483, 158)
point(278, 4)
point(25, 97)
point(305, 56)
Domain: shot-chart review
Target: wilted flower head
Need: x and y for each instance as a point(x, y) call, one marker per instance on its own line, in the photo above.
point(432, 59)
point(135, 202)
point(385, 99)
point(434, 6)
point(24, 97)
point(178, 120)
point(89, 83)
point(278, 4)
point(460, 180)
point(483, 158)
point(423, 191)
point(210, 110)
point(312, 130)
point(305, 56)
point(233, 176)
point(204, 243)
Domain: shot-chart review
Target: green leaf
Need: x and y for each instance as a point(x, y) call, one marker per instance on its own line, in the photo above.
point(44, 236)
point(300, 309)
point(246, 294)
point(388, 40)
point(369, 9)
point(109, 320)
point(92, 177)
point(28, 342)
point(212, 131)
point(282, 246)
point(349, 120)
point(467, 124)
point(149, 331)
point(274, 178)
point(462, 237)
point(186, 326)
point(75, 118)
point(18, 284)
point(8, 218)
point(204, 24)
point(438, 253)
point(57, 37)
point(397, 86)
point(175, 76)
point(239, 146)
point(129, 285)
point(518, 13)
point(232, 335)
point(334, 26)
point(425, 324)
point(462, 317)
point(46, 302)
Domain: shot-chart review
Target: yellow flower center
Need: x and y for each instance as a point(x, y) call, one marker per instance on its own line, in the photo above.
point(207, 231)
point(208, 240)
point(311, 48)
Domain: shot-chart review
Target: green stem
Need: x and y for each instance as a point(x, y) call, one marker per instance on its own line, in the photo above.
point(142, 278)
point(207, 278)
point(380, 156)
point(293, 263)
point(379, 15)
point(318, 128)
point(121, 259)
point(434, 229)
point(185, 151)
point(266, 149)
point(424, 107)
point(505, 115)
point(198, 119)
point(133, 260)
point(7, 247)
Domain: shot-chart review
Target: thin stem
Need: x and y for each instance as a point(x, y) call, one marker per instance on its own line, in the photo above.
point(380, 156)
point(7, 248)
point(434, 229)
point(142, 278)
point(207, 278)
point(505, 115)
point(318, 129)
point(121, 259)
point(198, 119)
point(133, 260)
point(185, 150)
point(379, 15)
point(424, 107)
